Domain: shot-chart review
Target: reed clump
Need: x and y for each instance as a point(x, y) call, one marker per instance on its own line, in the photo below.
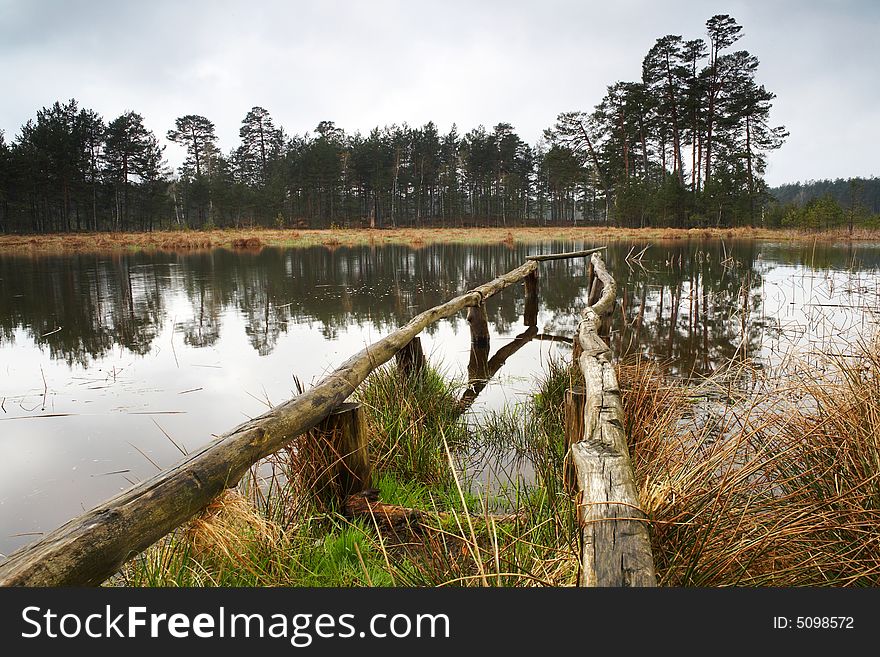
point(247, 243)
point(776, 489)
point(410, 419)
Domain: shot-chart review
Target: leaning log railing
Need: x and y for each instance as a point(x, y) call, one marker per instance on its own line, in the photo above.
point(92, 547)
point(89, 549)
point(615, 547)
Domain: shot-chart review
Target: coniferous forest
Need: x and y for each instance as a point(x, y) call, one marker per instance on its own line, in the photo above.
point(684, 145)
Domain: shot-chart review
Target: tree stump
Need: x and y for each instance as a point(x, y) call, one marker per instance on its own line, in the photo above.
point(575, 403)
point(341, 463)
point(478, 363)
point(411, 359)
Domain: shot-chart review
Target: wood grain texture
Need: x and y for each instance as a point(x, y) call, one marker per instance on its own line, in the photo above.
point(616, 547)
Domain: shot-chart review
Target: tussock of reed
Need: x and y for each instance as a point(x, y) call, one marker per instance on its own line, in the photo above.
point(408, 419)
point(779, 489)
point(228, 524)
point(247, 243)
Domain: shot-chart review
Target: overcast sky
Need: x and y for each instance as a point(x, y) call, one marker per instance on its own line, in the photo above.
point(378, 62)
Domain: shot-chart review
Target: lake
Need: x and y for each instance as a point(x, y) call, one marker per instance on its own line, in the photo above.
point(112, 364)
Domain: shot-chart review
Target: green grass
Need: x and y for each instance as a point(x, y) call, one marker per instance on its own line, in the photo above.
point(220, 549)
point(410, 420)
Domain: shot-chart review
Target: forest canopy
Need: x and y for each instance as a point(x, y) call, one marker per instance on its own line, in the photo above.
point(683, 145)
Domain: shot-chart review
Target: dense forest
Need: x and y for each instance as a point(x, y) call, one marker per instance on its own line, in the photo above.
point(685, 145)
point(848, 192)
point(822, 204)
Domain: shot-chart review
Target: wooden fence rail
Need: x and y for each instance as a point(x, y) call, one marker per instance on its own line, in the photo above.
point(92, 547)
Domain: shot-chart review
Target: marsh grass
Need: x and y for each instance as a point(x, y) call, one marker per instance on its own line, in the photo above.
point(775, 489)
point(779, 488)
point(269, 533)
point(408, 419)
point(256, 238)
point(748, 481)
point(233, 544)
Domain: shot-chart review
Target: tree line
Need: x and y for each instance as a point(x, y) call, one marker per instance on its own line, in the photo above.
point(825, 204)
point(848, 192)
point(685, 145)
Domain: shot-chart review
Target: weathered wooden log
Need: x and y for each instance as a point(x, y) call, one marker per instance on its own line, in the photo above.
point(478, 362)
point(338, 457)
point(366, 504)
point(530, 313)
point(564, 256)
point(90, 548)
point(604, 304)
point(601, 281)
point(411, 358)
point(616, 547)
point(547, 337)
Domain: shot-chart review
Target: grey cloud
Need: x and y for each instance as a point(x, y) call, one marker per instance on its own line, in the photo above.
point(363, 64)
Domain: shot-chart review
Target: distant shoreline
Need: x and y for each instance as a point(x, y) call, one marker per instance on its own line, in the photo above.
point(256, 238)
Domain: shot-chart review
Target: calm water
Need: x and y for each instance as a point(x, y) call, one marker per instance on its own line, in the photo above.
point(103, 357)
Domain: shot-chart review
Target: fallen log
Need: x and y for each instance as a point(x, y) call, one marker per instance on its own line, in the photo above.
point(366, 504)
point(546, 337)
point(564, 256)
point(616, 547)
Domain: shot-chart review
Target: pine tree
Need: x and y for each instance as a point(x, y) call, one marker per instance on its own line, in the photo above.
point(131, 152)
point(723, 32)
point(197, 135)
point(261, 144)
point(664, 78)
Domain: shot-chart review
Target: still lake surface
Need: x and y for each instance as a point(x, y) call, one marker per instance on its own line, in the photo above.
point(103, 357)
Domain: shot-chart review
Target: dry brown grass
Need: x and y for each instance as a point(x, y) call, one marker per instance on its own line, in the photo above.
point(255, 238)
point(229, 526)
point(780, 489)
